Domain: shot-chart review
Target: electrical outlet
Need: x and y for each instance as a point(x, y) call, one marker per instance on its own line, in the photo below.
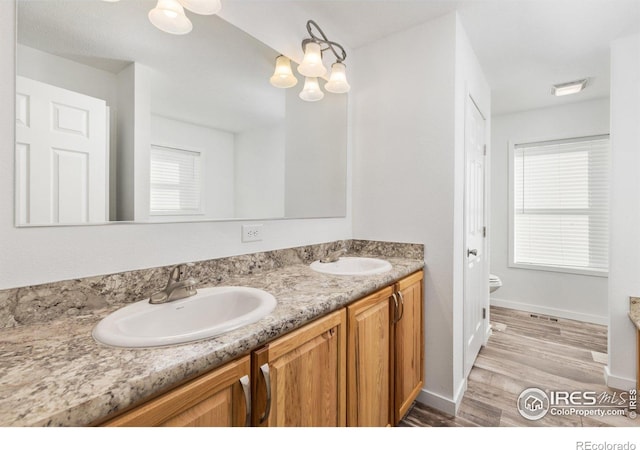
point(251, 233)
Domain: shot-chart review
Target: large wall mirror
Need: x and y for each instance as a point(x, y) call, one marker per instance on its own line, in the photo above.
point(119, 121)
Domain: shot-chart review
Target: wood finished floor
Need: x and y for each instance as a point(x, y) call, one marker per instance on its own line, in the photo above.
point(525, 352)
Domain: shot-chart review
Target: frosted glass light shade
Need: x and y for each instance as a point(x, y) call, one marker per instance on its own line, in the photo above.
point(168, 16)
point(204, 7)
point(283, 76)
point(338, 82)
point(311, 91)
point(311, 65)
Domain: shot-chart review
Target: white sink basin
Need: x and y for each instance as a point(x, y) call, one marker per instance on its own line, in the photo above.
point(349, 265)
point(212, 311)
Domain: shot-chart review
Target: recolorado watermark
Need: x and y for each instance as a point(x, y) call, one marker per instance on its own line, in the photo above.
point(534, 404)
point(588, 445)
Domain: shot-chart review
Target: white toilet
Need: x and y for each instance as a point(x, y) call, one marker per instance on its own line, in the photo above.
point(494, 283)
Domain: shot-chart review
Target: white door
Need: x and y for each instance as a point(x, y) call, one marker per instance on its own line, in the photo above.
point(475, 274)
point(61, 155)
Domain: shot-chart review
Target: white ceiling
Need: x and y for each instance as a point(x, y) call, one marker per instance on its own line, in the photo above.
point(216, 76)
point(524, 46)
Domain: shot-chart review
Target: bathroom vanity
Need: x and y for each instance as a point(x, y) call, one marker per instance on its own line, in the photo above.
point(361, 365)
point(348, 338)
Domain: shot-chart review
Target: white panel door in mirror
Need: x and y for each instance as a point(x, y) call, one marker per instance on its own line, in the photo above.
point(61, 154)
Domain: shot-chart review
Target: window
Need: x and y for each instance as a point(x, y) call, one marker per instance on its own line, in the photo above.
point(560, 201)
point(175, 181)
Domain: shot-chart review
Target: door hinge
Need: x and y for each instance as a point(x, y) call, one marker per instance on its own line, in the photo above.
point(484, 231)
point(484, 151)
point(484, 313)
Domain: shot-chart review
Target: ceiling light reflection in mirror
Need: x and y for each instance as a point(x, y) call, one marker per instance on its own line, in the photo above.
point(205, 97)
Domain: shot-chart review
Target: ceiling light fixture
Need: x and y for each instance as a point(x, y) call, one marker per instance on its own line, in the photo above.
point(169, 16)
point(313, 67)
point(572, 87)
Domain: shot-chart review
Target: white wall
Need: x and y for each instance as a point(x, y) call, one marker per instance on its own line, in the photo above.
point(259, 172)
point(408, 172)
point(66, 74)
point(37, 255)
point(571, 296)
point(217, 150)
point(315, 155)
point(624, 244)
point(125, 145)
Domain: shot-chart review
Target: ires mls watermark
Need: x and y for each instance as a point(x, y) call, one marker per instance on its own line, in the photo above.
point(534, 403)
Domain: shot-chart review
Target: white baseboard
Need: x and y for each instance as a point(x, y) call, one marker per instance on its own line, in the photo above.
point(436, 401)
point(487, 334)
point(443, 404)
point(563, 313)
point(616, 382)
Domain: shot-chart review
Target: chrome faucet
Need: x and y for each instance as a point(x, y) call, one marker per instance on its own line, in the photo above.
point(177, 287)
point(333, 256)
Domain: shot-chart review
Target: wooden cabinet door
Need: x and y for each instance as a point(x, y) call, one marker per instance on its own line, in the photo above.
point(370, 359)
point(306, 375)
point(220, 398)
point(409, 344)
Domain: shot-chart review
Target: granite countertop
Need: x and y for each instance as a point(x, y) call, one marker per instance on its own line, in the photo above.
point(634, 311)
point(55, 374)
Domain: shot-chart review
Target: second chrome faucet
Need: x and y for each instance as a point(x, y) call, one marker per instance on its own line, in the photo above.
point(178, 286)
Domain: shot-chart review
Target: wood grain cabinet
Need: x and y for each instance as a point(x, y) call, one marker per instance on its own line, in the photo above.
point(409, 344)
point(385, 354)
point(300, 378)
point(370, 361)
point(220, 398)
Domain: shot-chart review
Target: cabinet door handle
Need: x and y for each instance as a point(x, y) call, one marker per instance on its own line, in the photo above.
point(246, 388)
point(267, 382)
point(329, 334)
point(396, 310)
point(473, 252)
point(401, 304)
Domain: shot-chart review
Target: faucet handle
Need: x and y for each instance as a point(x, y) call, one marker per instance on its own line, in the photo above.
point(179, 271)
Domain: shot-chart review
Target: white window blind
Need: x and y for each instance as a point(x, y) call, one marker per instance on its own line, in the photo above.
point(175, 181)
point(561, 196)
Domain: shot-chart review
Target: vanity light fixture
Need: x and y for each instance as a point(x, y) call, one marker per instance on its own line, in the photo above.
point(169, 16)
point(313, 67)
point(311, 91)
point(572, 87)
point(283, 76)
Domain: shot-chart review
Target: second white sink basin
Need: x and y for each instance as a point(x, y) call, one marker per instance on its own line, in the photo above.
point(211, 312)
point(350, 265)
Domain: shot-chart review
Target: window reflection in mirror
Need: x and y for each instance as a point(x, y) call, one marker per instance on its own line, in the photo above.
point(100, 92)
